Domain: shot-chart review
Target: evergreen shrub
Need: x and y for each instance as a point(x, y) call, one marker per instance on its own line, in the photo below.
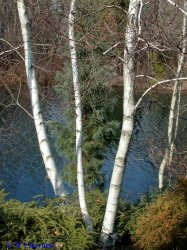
point(100, 128)
point(52, 223)
point(162, 224)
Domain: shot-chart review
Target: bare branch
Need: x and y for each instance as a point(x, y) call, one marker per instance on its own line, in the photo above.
point(139, 18)
point(101, 9)
point(154, 46)
point(149, 77)
point(177, 6)
point(108, 50)
point(155, 85)
point(16, 100)
point(14, 48)
point(10, 50)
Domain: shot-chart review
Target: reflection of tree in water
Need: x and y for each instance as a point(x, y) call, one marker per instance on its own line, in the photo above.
point(21, 167)
point(146, 145)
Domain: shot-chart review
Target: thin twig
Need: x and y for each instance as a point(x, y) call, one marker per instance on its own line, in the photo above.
point(16, 100)
point(101, 9)
point(14, 48)
point(108, 50)
point(177, 6)
point(155, 85)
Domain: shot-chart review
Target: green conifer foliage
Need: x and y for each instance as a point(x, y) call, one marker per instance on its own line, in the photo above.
point(99, 25)
point(51, 223)
point(163, 223)
point(100, 127)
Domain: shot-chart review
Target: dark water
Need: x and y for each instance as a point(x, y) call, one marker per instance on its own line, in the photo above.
point(21, 168)
point(142, 169)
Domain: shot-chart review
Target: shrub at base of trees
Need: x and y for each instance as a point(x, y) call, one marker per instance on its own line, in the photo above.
point(58, 225)
point(162, 224)
point(158, 221)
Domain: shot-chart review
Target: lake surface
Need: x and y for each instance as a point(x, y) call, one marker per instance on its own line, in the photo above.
point(21, 168)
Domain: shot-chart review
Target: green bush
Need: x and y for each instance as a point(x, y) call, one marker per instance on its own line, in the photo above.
point(50, 223)
point(158, 221)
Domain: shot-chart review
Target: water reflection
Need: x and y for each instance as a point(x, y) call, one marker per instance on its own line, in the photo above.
point(22, 169)
point(141, 172)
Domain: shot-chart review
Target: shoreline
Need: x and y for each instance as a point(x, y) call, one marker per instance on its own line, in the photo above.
point(141, 86)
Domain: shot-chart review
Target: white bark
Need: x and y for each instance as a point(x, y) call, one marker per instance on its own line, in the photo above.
point(128, 122)
point(174, 109)
point(51, 169)
point(78, 110)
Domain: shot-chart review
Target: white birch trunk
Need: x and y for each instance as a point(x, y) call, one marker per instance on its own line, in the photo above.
point(50, 167)
point(127, 126)
point(174, 109)
point(78, 110)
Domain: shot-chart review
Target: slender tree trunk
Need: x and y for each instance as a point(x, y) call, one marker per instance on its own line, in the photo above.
point(78, 110)
point(51, 169)
point(127, 126)
point(174, 109)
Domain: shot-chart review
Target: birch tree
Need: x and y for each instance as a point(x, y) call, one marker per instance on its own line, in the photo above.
point(175, 106)
point(128, 122)
point(48, 160)
point(78, 110)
